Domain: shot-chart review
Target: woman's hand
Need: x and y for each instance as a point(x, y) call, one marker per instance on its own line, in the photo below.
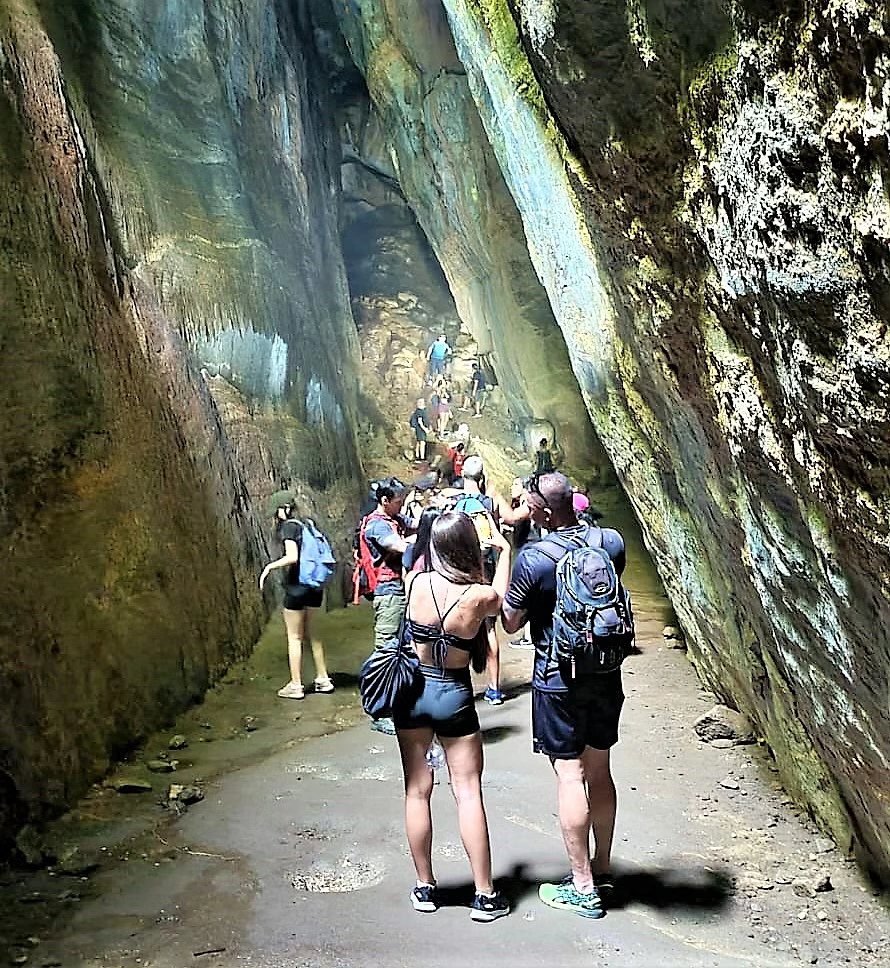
point(264, 574)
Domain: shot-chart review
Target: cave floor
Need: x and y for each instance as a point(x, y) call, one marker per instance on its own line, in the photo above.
point(296, 855)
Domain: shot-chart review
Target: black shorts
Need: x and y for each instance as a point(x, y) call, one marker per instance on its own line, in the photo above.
point(564, 723)
point(420, 436)
point(298, 597)
point(446, 705)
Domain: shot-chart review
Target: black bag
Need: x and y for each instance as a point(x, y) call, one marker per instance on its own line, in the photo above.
point(390, 675)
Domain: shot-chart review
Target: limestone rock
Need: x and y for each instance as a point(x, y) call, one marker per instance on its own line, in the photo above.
point(178, 742)
point(721, 722)
point(161, 766)
point(184, 794)
point(31, 847)
point(131, 785)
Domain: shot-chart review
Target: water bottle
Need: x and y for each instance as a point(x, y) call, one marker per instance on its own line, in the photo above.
point(435, 756)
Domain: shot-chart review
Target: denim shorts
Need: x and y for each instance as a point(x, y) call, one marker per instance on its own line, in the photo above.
point(564, 723)
point(446, 704)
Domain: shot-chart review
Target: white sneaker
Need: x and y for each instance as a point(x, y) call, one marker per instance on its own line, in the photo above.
point(324, 684)
point(293, 690)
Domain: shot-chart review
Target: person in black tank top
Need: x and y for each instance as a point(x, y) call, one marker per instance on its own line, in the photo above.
point(445, 621)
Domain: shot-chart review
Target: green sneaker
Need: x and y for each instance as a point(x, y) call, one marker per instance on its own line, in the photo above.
point(565, 897)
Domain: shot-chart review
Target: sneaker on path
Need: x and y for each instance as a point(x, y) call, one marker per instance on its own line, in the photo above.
point(522, 644)
point(324, 684)
point(565, 897)
point(494, 697)
point(489, 907)
point(384, 725)
point(423, 898)
point(293, 690)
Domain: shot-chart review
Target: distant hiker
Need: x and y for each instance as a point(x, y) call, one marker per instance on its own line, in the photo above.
point(382, 543)
point(456, 455)
point(437, 355)
point(420, 425)
point(443, 415)
point(298, 598)
point(448, 607)
point(574, 718)
point(543, 458)
point(478, 386)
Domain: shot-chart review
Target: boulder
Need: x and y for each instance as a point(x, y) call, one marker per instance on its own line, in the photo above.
point(721, 722)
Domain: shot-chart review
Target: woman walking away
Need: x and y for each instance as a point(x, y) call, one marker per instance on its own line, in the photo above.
point(298, 599)
point(445, 618)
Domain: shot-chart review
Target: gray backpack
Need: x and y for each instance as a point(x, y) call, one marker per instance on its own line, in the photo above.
point(593, 626)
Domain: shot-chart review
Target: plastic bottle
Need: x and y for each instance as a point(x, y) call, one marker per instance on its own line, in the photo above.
point(435, 756)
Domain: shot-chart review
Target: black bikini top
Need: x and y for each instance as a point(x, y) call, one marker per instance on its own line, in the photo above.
point(435, 634)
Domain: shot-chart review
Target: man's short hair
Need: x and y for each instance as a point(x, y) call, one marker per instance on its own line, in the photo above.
point(556, 489)
point(473, 468)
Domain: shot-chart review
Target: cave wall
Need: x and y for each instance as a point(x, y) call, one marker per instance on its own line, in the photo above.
point(703, 188)
point(176, 343)
point(449, 176)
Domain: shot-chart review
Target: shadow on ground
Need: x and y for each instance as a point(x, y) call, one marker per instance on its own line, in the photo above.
point(663, 888)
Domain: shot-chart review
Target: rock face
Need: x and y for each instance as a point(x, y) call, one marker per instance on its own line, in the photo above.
point(671, 219)
point(177, 343)
point(427, 127)
point(703, 193)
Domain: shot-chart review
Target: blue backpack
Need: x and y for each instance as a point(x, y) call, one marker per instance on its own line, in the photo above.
point(317, 562)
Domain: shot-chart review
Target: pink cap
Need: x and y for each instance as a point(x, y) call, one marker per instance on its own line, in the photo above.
point(580, 502)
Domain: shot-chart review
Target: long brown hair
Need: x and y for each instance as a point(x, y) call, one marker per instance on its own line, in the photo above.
point(455, 553)
point(454, 549)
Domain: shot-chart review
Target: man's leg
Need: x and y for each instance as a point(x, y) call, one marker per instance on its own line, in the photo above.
point(574, 819)
point(388, 611)
point(602, 805)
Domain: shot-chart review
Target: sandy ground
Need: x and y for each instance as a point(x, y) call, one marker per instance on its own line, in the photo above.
point(296, 856)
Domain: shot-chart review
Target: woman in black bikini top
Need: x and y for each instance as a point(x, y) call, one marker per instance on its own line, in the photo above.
point(445, 617)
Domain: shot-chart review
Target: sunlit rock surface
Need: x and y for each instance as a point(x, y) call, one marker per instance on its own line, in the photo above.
point(704, 196)
point(176, 343)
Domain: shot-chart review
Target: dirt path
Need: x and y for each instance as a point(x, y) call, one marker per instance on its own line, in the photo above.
point(296, 855)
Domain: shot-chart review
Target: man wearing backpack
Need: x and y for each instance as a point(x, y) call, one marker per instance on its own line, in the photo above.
point(574, 712)
point(383, 534)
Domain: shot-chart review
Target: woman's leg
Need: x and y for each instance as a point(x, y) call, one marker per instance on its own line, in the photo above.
point(321, 668)
point(494, 660)
point(413, 744)
point(464, 757)
point(295, 626)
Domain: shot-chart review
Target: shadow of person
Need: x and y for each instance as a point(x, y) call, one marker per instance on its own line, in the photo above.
point(514, 886)
point(691, 888)
point(697, 888)
point(494, 734)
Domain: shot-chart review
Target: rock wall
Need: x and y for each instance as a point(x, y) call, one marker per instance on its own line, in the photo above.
point(177, 343)
point(703, 189)
point(444, 166)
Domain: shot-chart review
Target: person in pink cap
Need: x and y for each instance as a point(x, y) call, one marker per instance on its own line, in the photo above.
point(580, 502)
